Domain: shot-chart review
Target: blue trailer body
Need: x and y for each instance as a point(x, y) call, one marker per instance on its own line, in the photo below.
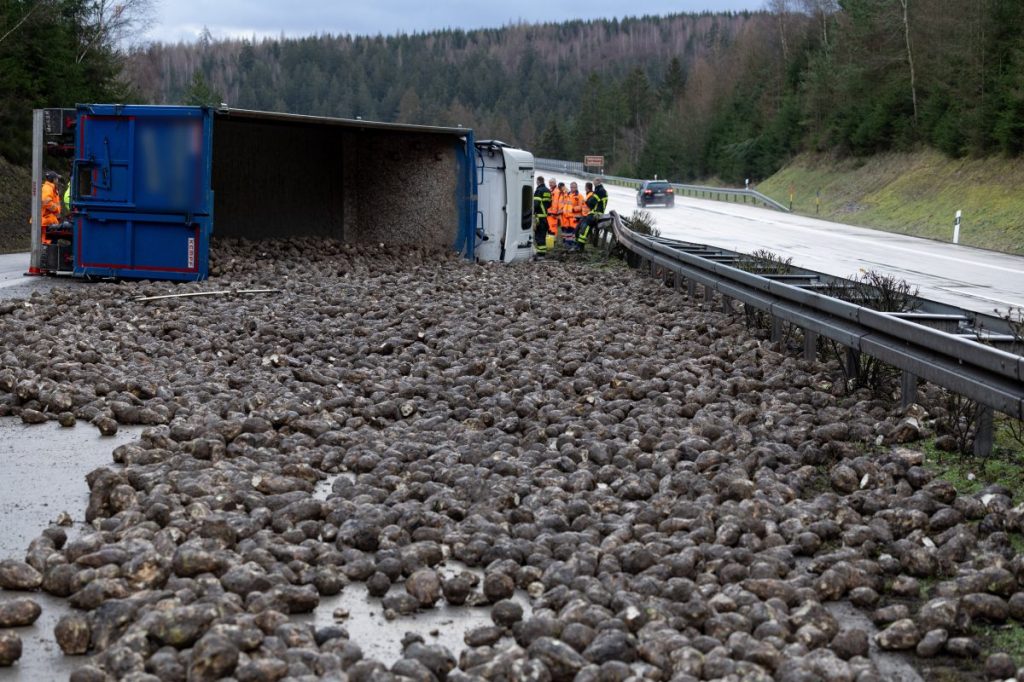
point(141, 191)
point(145, 189)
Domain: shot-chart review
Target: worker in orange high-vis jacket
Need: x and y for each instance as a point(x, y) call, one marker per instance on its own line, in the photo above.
point(572, 210)
point(51, 204)
point(555, 210)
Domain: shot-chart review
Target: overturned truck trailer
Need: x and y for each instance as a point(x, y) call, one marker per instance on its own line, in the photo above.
point(151, 184)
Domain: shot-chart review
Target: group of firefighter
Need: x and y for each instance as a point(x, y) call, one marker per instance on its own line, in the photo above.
point(565, 213)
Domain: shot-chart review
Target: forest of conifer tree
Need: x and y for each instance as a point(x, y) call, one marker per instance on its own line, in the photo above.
point(684, 96)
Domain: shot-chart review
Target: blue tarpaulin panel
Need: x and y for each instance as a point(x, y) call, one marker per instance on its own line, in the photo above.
point(142, 192)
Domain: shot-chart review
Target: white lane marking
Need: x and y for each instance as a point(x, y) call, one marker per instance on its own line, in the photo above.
point(969, 294)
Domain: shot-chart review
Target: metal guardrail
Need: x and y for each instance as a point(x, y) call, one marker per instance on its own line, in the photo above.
point(992, 377)
point(699, 191)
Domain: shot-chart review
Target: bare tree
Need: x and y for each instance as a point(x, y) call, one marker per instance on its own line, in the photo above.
point(904, 4)
point(781, 10)
point(822, 11)
point(112, 22)
point(23, 19)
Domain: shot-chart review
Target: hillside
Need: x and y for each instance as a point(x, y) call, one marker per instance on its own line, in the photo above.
point(912, 193)
point(15, 207)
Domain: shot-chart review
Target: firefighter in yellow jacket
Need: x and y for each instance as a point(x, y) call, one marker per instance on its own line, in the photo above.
point(541, 204)
point(596, 204)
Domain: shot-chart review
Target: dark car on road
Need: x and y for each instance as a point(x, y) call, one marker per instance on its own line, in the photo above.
point(655, 192)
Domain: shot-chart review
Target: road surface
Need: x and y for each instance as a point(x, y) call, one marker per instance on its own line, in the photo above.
point(14, 283)
point(970, 278)
point(44, 468)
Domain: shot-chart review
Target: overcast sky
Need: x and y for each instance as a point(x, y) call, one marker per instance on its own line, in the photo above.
point(184, 19)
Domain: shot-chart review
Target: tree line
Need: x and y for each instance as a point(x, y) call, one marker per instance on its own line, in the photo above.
point(685, 96)
point(55, 53)
point(553, 88)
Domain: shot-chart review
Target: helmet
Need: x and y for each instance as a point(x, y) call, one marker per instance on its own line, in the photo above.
point(51, 176)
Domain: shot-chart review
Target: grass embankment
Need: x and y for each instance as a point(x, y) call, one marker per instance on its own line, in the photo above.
point(916, 194)
point(15, 207)
point(971, 475)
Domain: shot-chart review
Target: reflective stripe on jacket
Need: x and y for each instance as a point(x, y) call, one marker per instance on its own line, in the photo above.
point(573, 209)
point(602, 197)
point(541, 201)
point(557, 196)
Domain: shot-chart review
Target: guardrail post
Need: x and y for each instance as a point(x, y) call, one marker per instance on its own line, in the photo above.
point(709, 295)
point(776, 330)
point(810, 345)
point(691, 289)
point(677, 281)
point(908, 389)
point(853, 363)
point(726, 304)
point(983, 431)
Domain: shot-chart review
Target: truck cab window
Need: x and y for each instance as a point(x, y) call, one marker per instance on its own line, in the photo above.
point(527, 208)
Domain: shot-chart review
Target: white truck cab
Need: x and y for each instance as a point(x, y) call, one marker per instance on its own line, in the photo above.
point(505, 202)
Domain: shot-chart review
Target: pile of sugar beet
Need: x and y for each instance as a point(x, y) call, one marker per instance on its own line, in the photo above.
point(677, 499)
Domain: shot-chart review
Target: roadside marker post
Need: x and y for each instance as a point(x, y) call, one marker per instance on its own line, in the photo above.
point(956, 227)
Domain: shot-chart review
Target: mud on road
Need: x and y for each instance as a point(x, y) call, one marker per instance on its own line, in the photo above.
point(625, 485)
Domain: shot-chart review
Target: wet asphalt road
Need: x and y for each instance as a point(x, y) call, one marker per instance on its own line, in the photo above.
point(970, 278)
point(44, 468)
point(15, 284)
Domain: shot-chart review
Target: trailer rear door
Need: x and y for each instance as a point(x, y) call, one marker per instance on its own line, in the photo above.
point(142, 192)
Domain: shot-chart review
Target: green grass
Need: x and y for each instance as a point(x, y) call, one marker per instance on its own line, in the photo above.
point(957, 469)
point(1017, 542)
point(1008, 437)
point(1008, 639)
point(916, 194)
point(970, 474)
